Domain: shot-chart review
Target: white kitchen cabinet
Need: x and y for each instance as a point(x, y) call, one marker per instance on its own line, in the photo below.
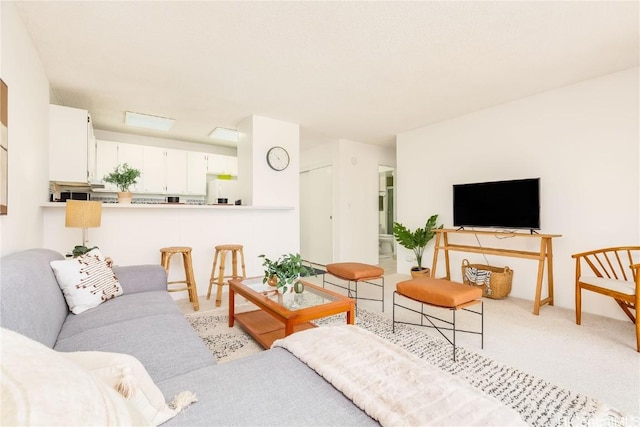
point(106, 161)
point(69, 131)
point(91, 155)
point(133, 155)
point(175, 171)
point(219, 164)
point(164, 170)
point(153, 170)
point(196, 173)
point(110, 154)
point(214, 164)
point(232, 164)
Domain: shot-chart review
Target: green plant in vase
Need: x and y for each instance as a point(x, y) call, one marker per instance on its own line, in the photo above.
point(81, 250)
point(416, 241)
point(123, 176)
point(285, 271)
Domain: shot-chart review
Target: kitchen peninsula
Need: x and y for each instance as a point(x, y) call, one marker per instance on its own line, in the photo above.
point(130, 234)
point(134, 233)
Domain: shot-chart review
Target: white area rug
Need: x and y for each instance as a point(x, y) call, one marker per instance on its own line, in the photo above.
point(538, 402)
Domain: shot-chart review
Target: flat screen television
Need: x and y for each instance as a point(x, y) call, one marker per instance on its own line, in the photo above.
point(502, 204)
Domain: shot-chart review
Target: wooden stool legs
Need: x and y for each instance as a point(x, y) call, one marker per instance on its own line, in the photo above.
point(221, 257)
point(190, 281)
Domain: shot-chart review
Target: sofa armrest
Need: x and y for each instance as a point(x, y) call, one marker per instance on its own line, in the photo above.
point(141, 278)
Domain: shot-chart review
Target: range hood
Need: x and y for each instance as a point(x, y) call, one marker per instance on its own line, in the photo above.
point(79, 185)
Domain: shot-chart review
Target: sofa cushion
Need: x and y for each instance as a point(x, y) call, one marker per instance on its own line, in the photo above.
point(41, 387)
point(31, 302)
point(165, 343)
point(271, 388)
point(627, 287)
point(86, 281)
point(124, 308)
point(141, 278)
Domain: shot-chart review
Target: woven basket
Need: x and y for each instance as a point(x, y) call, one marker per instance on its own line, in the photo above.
point(499, 284)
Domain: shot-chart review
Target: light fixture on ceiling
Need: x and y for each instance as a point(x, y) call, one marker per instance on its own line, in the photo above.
point(224, 134)
point(147, 121)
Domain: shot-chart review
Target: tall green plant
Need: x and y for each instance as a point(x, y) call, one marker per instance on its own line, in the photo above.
point(416, 240)
point(123, 176)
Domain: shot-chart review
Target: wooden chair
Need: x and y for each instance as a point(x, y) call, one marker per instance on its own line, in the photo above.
point(615, 272)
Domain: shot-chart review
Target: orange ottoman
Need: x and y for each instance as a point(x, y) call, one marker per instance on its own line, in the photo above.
point(356, 272)
point(444, 294)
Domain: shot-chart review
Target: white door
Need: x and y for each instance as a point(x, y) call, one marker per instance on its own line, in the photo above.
point(153, 173)
point(316, 215)
point(196, 173)
point(176, 171)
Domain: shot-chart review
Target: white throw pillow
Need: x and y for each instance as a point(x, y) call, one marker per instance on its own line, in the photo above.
point(41, 387)
point(126, 374)
point(86, 281)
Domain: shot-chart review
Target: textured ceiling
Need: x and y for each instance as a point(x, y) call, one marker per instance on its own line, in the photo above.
point(363, 71)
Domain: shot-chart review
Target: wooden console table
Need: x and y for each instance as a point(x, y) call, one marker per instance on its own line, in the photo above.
point(544, 255)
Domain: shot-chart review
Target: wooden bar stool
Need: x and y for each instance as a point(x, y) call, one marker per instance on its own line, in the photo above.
point(221, 257)
point(189, 280)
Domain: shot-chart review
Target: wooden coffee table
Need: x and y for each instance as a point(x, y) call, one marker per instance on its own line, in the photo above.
point(280, 315)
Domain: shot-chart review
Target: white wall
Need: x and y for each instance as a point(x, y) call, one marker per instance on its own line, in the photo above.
point(245, 160)
point(581, 140)
point(262, 186)
point(28, 110)
point(355, 198)
point(272, 187)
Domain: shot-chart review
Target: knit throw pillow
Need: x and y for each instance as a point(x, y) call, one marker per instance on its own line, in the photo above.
point(86, 281)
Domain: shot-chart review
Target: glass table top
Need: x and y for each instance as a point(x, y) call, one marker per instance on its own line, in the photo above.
point(310, 297)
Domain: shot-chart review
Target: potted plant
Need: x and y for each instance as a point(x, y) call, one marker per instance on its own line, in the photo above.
point(416, 241)
point(285, 271)
point(81, 250)
point(123, 176)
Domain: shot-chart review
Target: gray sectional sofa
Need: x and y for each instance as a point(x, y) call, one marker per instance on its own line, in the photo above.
point(270, 388)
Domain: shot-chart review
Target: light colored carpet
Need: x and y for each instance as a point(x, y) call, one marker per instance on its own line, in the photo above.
point(597, 359)
point(539, 403)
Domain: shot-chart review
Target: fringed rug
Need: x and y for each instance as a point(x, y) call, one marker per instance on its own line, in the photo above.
point(224, 342)
point(538, 402)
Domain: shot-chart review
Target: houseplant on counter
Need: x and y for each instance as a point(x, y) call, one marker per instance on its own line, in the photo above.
point(416, 241)
point(285, 272)
point(123, 176)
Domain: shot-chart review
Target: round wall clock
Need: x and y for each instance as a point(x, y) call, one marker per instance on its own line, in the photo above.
point(277, 158)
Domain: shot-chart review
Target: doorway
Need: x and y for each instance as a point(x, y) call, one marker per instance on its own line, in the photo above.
point(316, 215)
point(386, 217)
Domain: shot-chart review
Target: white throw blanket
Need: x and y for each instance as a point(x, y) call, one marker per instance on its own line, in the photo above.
point(391, 385)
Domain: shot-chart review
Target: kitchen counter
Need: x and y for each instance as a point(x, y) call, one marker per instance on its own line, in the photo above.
point(175, 205)
point(134, 233)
